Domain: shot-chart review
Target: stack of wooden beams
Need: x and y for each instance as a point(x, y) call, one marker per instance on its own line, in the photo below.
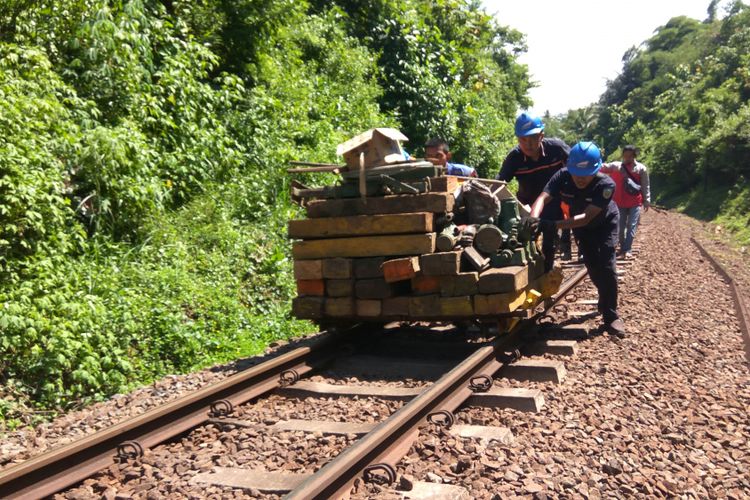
point(374, 259)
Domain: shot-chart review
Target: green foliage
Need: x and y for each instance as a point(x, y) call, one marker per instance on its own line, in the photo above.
point(38, 123)
point(734, 214)
point(573, 126)
point(684, 99)
point(691, 80)
point(202, 288)
point(116, 181)
point(447, 69)
point(109, 59)
point(143, 192)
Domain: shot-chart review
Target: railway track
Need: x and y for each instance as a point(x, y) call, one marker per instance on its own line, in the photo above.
point(372, 456)
point(743, 316)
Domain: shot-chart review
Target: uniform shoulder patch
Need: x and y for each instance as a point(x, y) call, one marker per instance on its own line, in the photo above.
point(607, 193)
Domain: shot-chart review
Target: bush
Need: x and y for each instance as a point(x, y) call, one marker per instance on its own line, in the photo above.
point(143, 191)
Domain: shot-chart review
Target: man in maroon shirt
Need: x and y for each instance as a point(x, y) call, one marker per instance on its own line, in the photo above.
point(632, 191)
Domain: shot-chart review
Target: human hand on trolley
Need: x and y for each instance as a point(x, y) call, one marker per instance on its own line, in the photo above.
point(537, 225)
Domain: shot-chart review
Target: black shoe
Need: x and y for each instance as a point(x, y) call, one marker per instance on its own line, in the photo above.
point(616, 328)
point(566, 255)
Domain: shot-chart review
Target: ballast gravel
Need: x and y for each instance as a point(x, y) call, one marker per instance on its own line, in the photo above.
point(25, 443)
point(662, 413)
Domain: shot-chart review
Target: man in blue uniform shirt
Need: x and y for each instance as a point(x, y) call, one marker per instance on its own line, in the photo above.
point(594, 218)
point(533, 162)
point(438, 152)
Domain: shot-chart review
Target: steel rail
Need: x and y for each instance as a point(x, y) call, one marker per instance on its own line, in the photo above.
point(393, 437)
point(67, 465)
point(742, 314)
point(387, 443)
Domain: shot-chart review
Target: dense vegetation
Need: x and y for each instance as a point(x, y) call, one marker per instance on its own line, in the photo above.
point(143, 195)
point(684, 98)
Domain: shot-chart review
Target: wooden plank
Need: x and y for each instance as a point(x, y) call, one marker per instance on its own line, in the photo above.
point(371, 267)
point(399, 170)
point(586, 302)
point(441, 263)
point(536, 370)
point(400, 269)
point(307, 307)
point(444, 184)
point(554, 347)
point(367, 366)
point(500, 303)
point(503, 279)
point(365, 246)
point(339, 307)
point(308, 269)
point(572, 265)
point(508, 397)
point(376, 288)
point(583, 314)
point(340, 288)
point(360, 225)
point(369, 308)
point(309, 170)
point(425, 306)
point(337, 268)
point(399, 204)
point(396, 306)
point(374, 186)
point(456, 306)
point(425, 284)
point(567, 332)
point(304, 389)
point(461, 284)
point(311, 287)
point(317, 164)
point(438, 348)
point(475, 259)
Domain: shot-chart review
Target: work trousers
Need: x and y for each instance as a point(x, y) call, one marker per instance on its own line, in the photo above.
point(600, 261)
point(549, 236)
point(629, 218)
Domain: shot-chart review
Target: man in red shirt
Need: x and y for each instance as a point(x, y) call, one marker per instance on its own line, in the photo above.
point(632, 192)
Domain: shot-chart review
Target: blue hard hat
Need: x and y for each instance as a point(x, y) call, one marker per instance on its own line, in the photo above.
point(528, 125)
point(584, 159)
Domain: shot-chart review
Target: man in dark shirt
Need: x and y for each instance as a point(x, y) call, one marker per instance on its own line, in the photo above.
point(594, 218)
point(533, 162)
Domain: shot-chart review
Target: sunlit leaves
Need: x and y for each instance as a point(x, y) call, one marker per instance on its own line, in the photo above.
point(143, 192)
